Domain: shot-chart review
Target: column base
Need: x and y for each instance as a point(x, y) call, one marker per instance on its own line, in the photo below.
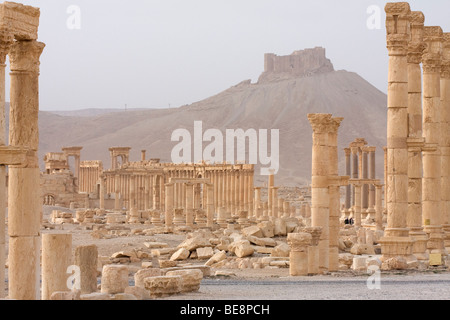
point(392, 246)
point(420, 239)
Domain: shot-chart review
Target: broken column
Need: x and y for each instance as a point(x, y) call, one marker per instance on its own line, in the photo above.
point(298, 257)
point(190, 204)
point(210, 205)
point(320, 198)
point(431, 197)
point(86, 258)
point(24, 200)
point(396, 241)
point(56, 259)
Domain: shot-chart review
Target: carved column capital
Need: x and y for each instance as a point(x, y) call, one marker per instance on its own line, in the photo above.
point(24, 56)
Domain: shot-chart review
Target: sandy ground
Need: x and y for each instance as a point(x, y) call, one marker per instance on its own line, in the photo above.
point(276, 284)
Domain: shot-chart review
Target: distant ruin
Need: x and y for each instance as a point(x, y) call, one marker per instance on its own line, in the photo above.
point(301, 63)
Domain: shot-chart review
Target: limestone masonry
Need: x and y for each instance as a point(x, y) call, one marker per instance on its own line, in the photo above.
point(187, 222)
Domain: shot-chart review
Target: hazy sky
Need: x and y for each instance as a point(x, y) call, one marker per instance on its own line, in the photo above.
point(152, 53)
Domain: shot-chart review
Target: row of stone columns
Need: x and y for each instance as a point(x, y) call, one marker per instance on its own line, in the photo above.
point(418, 127)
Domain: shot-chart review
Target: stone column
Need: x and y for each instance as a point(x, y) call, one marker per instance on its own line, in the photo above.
point(170, 188)
point(270, 185)
point(210, 205)
point(24, 200)
point(319, 188)
point(258, 203)
point(348, 172)
point(355, 170)
point(102, 193)
point(189, 204)
point(365, 175)
point(86, 258)
point(298, 257)
point(379, 207)
point(275, 202)
point(445, 136)
point(6, 40)
point(334, 193)
point(371, 176)
point(313, 250)
point(396, 241)
point(415, 139)
point(357, 207)
point(246, 194)
point(56, 258)
point(117, 193)
point(431, 183)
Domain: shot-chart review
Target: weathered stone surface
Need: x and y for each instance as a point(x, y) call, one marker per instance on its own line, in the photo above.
point(95, 296)
point(163, 286)
point(66, 295)
point(156, 245)
point(360, 264)
point(181, 254)
point(243, 249)
point(114, 279)
point(204, 253)
point(395, 263)
point(217, 257)
point(194, 243)
point(190, 279)
point(263, 242)
point(138, 292)
point(281, 250)
point(280, 228)
point(140, 276)
point(267, 229)
point(254, 231)
point(360, 249)
point(124, 296)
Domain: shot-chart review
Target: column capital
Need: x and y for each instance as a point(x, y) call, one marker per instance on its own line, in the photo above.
point(369, 149)
point(6, 41)
point(445, 67)
point(334, 125)
point(398, 16)
point(347, 151)
point(298, 241)
point(24, 56)
point(432, 55)
point(320, 122)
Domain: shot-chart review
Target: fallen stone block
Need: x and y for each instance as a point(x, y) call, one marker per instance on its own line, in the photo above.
point(114, 279)
point(204, 253)
point(163, 286)
point(190, 279)
point(181, 254)
point(140, 276)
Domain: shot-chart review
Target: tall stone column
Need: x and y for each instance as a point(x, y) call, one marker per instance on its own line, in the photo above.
point(355, 170)
point(170, 188)
point(251, 198)
point(379, 207)
point(117, 193)
point(56, 258)
point(415, 137)
point(6, 40)
point(431, 183)
point(275, 202)
point(210, 205)
point(396, 241)
point(371, 175)
point(365, 175)
point(319, 188)
point(348, 172)
point(258, 203)
point(270, 185)
point(358, 202)
point(334, 193)
point(445, 136)
point(24, 181)
point(102, 193)
point(189, 204)
point(246, 194)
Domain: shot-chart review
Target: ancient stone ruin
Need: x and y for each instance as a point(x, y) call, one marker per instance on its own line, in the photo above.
point(222, 220)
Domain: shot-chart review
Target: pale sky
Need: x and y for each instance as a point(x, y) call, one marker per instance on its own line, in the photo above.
point(156, 53)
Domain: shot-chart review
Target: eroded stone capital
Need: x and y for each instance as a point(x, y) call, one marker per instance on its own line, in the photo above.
point(24, 56)
point(298, 241)
point(320, 122)
point(398, 27)
point(6, 41)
